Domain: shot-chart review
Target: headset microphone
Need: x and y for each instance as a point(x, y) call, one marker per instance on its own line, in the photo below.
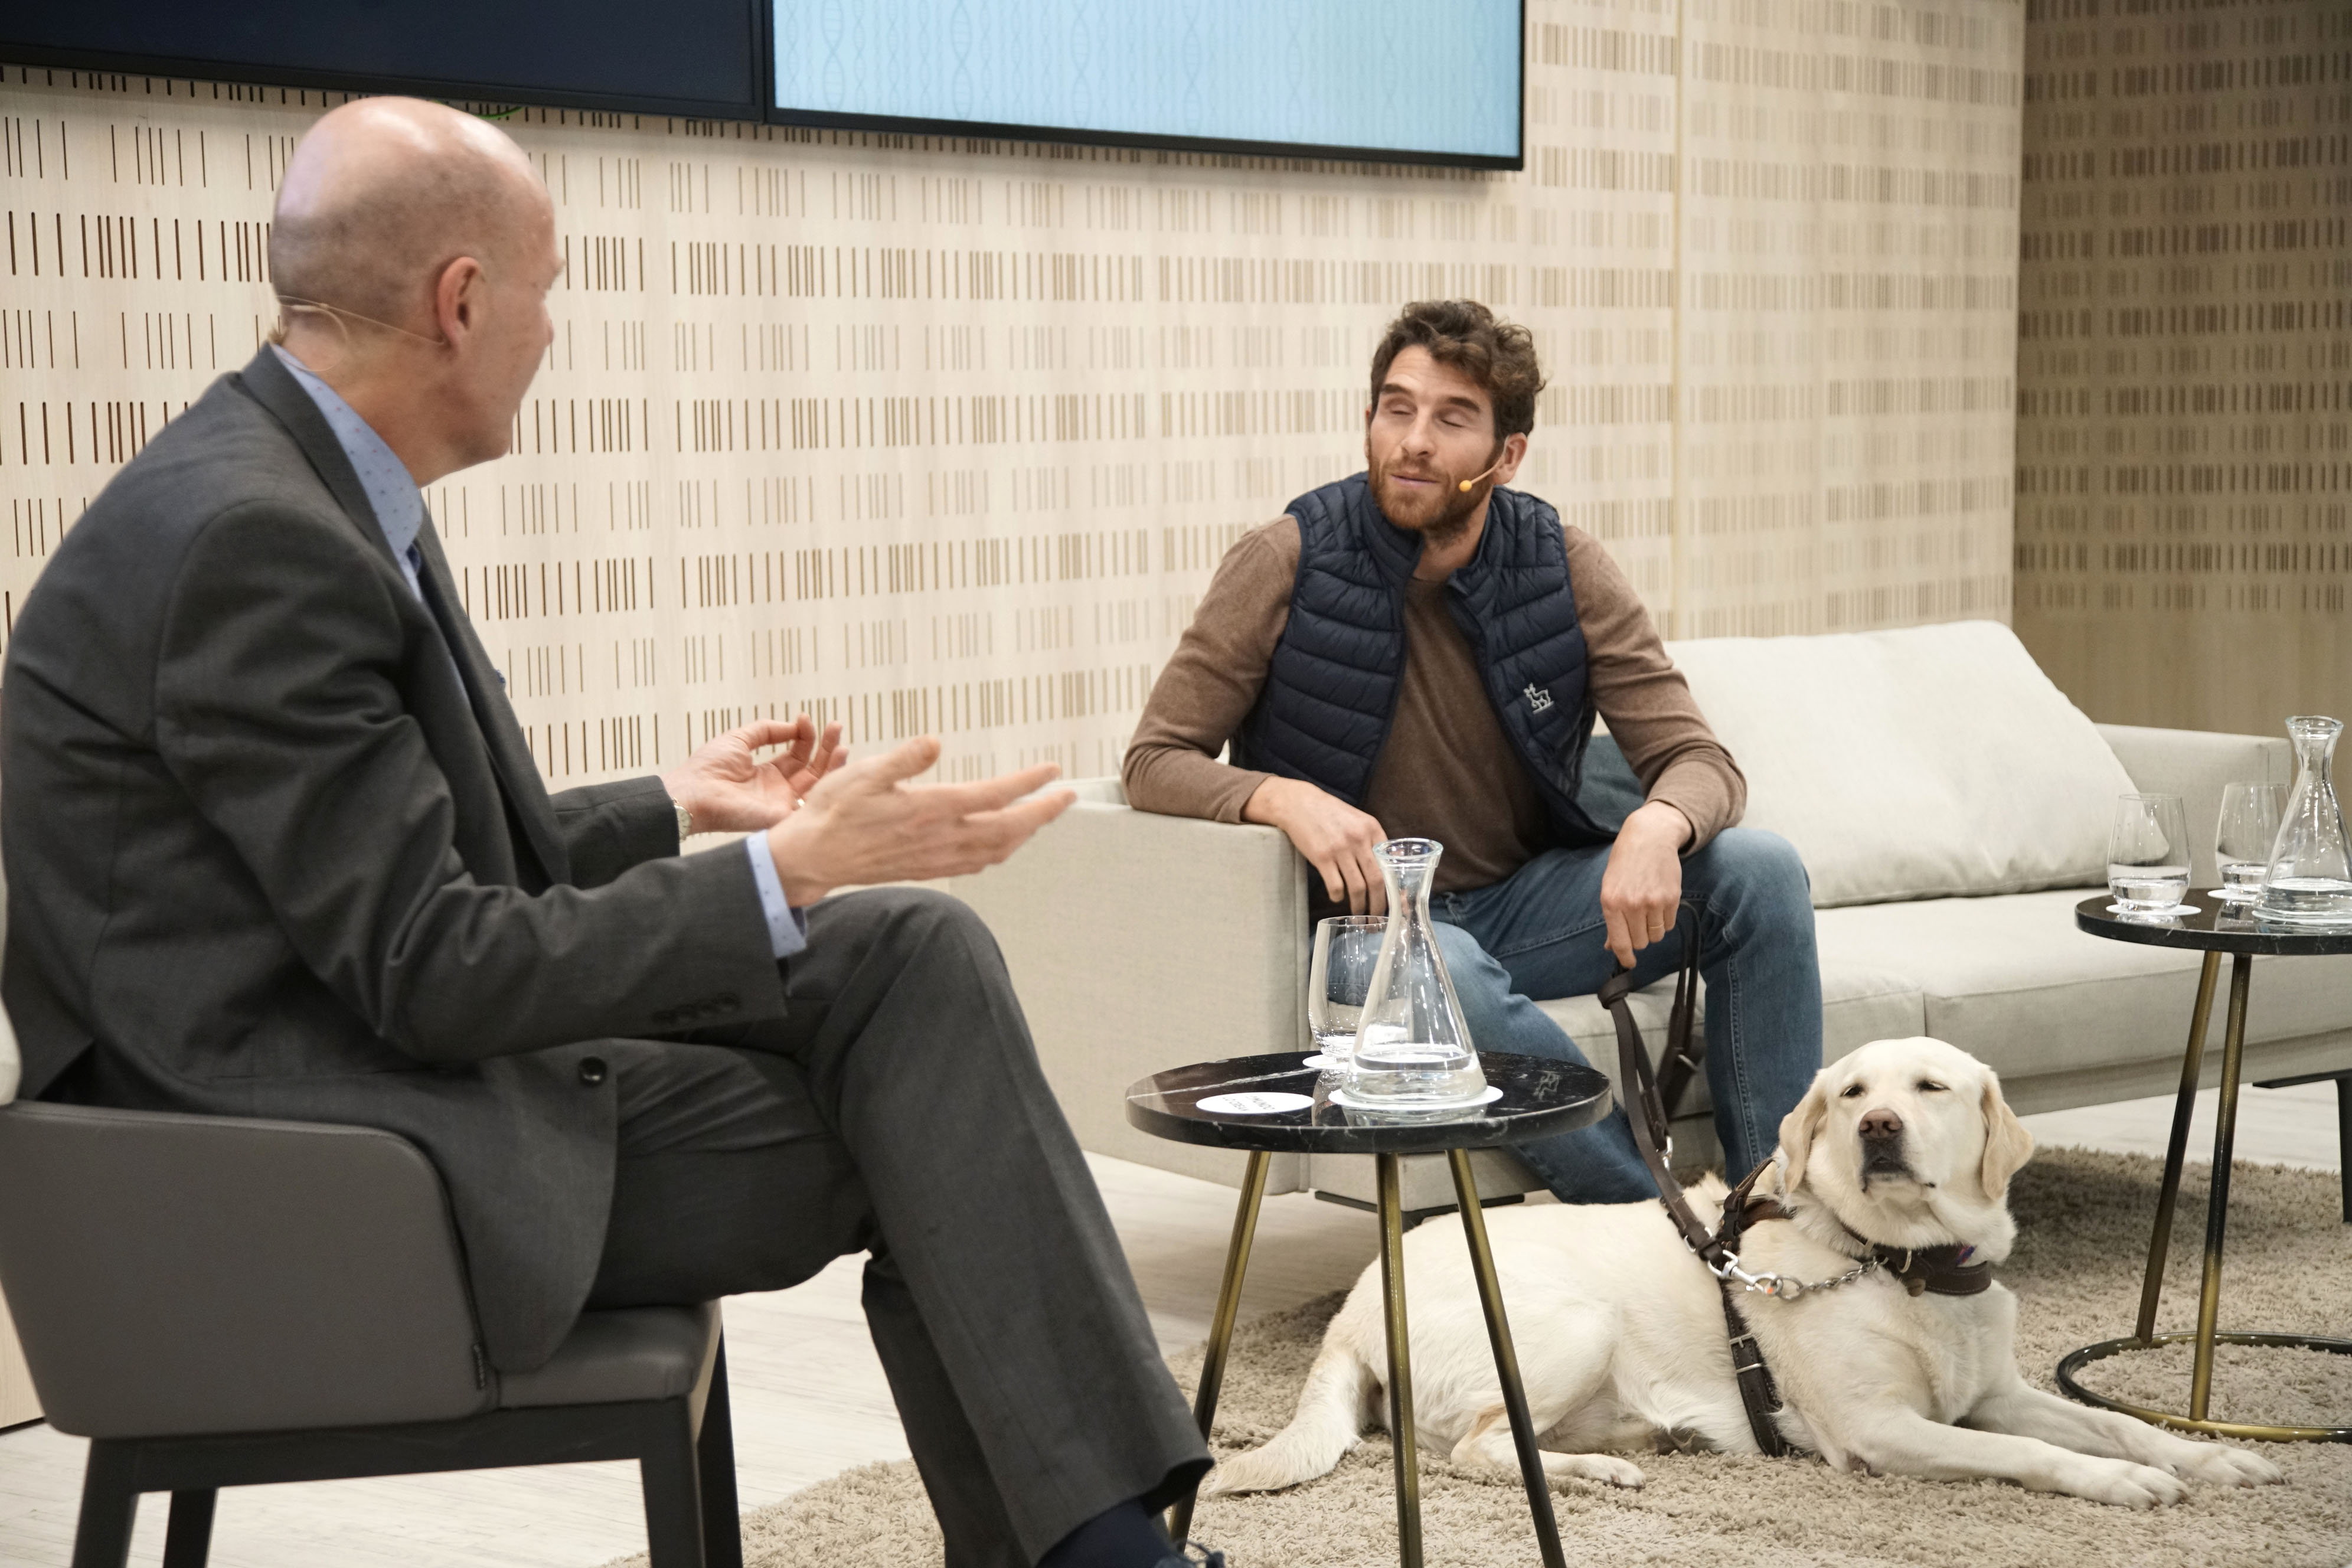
point(1474, 479)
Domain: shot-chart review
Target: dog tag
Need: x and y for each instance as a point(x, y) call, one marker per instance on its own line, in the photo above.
point(1261, 1104)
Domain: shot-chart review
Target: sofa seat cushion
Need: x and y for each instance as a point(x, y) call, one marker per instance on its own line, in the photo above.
point(1860, 1003)
point(2011, 982)
point(1916, 763)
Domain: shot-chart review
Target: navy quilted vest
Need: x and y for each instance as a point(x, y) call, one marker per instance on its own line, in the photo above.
point(1330, 691)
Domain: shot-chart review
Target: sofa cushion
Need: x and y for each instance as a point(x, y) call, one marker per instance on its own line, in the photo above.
point(2011, 982)
point(1914, 763)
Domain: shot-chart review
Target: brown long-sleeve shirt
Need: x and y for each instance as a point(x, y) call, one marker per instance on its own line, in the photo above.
point(1448, 771)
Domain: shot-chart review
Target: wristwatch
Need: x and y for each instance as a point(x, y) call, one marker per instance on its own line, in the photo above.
point(685, 821)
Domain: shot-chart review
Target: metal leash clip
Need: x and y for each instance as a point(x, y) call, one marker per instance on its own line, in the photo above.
point(1767, 1284)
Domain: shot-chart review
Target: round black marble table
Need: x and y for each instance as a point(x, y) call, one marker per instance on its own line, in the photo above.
point(1277, 1105)
point(2209, 925)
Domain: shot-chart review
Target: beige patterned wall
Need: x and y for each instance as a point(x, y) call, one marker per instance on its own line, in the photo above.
point(2184, 513)
point(943, 435)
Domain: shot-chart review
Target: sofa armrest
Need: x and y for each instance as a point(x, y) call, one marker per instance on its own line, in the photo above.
point(2194, 765)
point(194, 1274)
point(1139, 943)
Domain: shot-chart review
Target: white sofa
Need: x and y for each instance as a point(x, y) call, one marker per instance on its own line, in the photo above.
point(1950, 805)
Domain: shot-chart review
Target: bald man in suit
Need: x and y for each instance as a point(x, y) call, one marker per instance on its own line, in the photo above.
point(274, 846)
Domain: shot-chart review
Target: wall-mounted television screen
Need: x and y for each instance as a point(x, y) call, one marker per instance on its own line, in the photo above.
point(698, 58)
point(1396, 80)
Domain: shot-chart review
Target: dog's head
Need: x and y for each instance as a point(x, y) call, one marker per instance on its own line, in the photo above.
point(1909, 1143)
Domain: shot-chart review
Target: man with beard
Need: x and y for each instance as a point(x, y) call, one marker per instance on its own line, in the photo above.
point(1416, 652)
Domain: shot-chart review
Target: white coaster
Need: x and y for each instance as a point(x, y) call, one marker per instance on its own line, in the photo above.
point(1258, 1104)
point(2173, 913)
point(1486, 1096)
point(1319, 1061)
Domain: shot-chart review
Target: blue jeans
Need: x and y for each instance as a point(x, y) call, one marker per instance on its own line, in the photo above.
point(1539, 934)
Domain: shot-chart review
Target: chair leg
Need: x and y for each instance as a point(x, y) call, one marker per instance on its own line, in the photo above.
point(667, 1467)
point(109, 1506)
point(188, 1541)
point(714, 1455)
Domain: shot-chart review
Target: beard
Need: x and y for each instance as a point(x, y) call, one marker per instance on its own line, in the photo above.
point(1440, 517)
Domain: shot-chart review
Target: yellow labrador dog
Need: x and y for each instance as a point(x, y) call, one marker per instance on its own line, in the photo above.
point(1620, 1328)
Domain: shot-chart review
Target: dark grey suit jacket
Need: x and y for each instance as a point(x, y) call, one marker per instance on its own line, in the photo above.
point(268, 858)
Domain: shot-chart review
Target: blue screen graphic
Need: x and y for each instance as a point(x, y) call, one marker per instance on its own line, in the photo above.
point(1386, 74)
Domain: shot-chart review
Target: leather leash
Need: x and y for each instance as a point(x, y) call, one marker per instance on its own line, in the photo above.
point(1650, 1114)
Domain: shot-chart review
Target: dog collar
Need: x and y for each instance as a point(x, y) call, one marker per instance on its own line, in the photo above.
point(1924, 1270)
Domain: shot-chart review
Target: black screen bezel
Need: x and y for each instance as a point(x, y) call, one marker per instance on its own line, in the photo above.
point(98, 62)
point(759, 40)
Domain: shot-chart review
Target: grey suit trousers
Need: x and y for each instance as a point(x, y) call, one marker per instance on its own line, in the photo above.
point(897, 1108)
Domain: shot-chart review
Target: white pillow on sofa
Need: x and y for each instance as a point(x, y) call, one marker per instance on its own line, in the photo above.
point(1916, 763)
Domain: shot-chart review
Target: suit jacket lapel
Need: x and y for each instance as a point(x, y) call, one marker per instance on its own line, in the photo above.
point(272, 385)
point(509, 754)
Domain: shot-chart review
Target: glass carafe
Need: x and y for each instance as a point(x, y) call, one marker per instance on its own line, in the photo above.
point(1412, 1048)
point(2309, 879)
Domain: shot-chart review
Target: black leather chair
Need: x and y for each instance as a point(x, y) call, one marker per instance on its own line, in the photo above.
point(220, 1302)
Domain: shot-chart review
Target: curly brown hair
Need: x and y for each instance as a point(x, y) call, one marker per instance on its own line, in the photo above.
point(1500, 355)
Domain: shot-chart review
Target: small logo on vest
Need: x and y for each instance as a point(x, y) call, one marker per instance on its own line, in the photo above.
point(1538, 699)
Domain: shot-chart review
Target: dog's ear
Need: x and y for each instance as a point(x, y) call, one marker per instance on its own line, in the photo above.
point(1800, 1127)
point(2008, 1145)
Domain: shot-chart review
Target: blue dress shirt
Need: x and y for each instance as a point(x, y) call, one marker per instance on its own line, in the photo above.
point(399, 510)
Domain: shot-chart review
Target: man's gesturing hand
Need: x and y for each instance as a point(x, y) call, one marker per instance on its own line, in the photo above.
point(1335, 839)
point(866, 823)
point(1641, 890)
point(730, 790)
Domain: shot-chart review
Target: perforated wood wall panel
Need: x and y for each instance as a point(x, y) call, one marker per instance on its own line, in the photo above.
point(2184, 535)
point(939, 436)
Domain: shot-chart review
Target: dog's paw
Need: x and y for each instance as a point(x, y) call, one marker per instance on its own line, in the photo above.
point(1607, 1468)
point(2215, 1466)
point(2125, 1485)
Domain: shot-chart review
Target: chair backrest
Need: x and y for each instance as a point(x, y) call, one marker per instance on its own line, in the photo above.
point(175, 1275)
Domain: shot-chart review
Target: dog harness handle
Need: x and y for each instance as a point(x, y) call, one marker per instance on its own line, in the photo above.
point(1649, 1112)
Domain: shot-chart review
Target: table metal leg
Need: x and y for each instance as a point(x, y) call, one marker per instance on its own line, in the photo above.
point(2217, 1220)
point(2193, 1062)
point(2217, 1205)
point(1221, 1327)
point(2344, 1139)
point(1407, 1465)
point(1507, 1361)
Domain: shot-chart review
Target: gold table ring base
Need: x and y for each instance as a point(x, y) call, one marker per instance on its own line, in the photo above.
point(2248, 1430)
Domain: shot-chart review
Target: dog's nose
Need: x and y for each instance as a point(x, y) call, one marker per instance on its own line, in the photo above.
point(1881, 1124)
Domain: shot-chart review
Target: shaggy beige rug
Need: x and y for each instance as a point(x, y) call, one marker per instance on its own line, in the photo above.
point(2083, 1235)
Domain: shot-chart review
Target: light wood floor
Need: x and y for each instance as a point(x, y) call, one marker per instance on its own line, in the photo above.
point(810, 1399)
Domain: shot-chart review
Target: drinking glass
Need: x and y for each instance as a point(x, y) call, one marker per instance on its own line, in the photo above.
point(2245, 836)
point(2148, 854)
point(1347, 947)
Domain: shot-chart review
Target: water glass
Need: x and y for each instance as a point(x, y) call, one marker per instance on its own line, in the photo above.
point(1346, 948)
point(2243, 839)
point(2148, 853)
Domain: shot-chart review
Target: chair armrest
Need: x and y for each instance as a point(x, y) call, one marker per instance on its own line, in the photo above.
point(175, 1275)
point(1139, 943)
point(2194, 765)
